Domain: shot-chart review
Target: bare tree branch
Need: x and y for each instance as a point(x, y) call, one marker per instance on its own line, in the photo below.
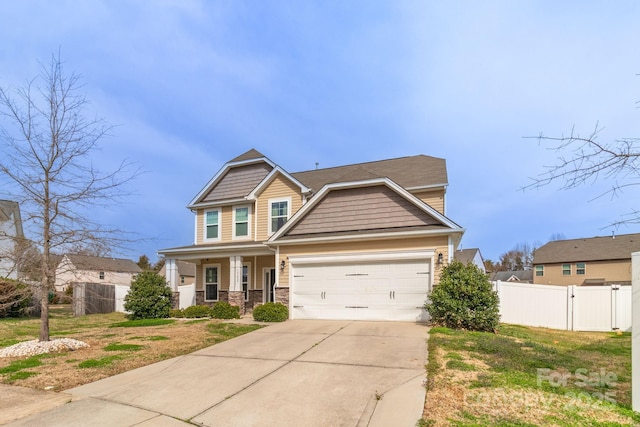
point(585, 160)
point(47, 144)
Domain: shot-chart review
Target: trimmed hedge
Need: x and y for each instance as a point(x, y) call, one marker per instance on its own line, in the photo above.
point(224, 310)
point(464, 299)
point(271, 312)
point(197, 311)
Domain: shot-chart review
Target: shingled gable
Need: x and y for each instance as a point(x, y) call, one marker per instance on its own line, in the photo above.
point(94, 263)
point(236, 179)
point(590, 249)
point(412, 172)
point(371, 206)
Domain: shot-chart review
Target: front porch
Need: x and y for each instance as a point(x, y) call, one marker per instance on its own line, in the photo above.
point(245, 280)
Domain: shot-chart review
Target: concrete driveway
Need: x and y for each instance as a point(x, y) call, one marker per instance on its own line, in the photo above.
point(297, 373)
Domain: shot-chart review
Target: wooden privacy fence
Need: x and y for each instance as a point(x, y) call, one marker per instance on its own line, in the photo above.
point(574, 308)
point(92, 298)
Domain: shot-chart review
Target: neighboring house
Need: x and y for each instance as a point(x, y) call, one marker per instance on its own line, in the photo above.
point(592, 261)
point(472, 256)
point(10, 230)
point(186, 272)
point(362, 241)
point(519, 276)
point(92, 269)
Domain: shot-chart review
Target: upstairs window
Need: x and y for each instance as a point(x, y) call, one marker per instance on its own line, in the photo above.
point(566, 269)
point(539, 270)
point(212, 225)
point(581, 268)
point(101, 275)
point(278, 214)
point(241, 222)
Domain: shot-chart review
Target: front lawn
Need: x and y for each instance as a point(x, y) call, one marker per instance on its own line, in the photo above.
point(116, 345)
point(525, 376)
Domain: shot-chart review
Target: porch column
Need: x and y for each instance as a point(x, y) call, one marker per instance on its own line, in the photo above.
point(173, 279)
point(236, 296)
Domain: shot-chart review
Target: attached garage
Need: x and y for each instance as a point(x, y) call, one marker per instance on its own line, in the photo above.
point(363, 289)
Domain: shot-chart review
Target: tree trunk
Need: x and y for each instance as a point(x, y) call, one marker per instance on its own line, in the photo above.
point(44, 312)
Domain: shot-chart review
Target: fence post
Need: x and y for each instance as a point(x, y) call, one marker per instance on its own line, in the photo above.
point(635, 331)
point(570, 307)
point(615, 306)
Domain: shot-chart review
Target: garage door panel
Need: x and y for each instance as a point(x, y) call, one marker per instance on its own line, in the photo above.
point(361, 291)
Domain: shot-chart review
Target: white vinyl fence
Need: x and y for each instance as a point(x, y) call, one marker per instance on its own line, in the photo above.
point(121, 292)
point(187, 295)
point(575, 308)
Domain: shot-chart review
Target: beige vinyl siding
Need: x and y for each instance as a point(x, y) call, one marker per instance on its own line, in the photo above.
point(610, 271)
point(358, 209)
point(438, 243)
point(279, 188)
point(238, 182)
point(434, 198)
point(262, 263)
point(226, 223)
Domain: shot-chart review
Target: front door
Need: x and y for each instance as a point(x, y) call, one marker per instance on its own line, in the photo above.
point(269, 284)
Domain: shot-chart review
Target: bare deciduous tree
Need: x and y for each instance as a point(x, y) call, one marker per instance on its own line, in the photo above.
point(47, 143)
point(585, 159)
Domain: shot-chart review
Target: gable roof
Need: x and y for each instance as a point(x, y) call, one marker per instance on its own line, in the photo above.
point(513, 276)
point(409, 172)
point(466, 256)
point(95, 263)
point(236, 179)
point(590, 249)
point(349, 208)
point(249, 155)
point(186, 268)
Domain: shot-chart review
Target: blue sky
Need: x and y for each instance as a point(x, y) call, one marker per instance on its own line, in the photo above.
point(192, 84)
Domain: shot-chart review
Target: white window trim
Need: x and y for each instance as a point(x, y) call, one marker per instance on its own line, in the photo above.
point(584, 269)
point(249, 214)
point(204, 280)
point(248, 265)
point(204, 225)
point(265, 283)
point(281, 199)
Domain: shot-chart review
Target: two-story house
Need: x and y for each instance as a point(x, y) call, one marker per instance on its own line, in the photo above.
point(74, 268)
point(362, 241)
point(591, 261)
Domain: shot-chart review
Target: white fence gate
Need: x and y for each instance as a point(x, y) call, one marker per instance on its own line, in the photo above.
point(121, 292)
point(576, 308)
point(187, 295)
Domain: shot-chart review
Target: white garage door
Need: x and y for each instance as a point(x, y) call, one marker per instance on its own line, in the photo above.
point(394, 290)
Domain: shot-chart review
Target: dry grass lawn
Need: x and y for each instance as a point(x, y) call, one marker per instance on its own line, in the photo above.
point(112, 349)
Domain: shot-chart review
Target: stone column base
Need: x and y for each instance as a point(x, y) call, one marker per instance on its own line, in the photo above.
point(282, 296)
point(237, 298)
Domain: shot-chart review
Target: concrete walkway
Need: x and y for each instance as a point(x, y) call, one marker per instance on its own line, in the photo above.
point(297, 373)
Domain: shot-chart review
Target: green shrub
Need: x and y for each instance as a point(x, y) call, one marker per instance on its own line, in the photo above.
point(149, 297)
point(224, 310)
point(271, 312)
point(464, 299)
point(197, 311)
point(15, 298)
point(178, 313)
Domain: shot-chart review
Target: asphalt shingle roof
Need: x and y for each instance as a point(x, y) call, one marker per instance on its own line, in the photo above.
point(94, 263)
point(589, 249)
